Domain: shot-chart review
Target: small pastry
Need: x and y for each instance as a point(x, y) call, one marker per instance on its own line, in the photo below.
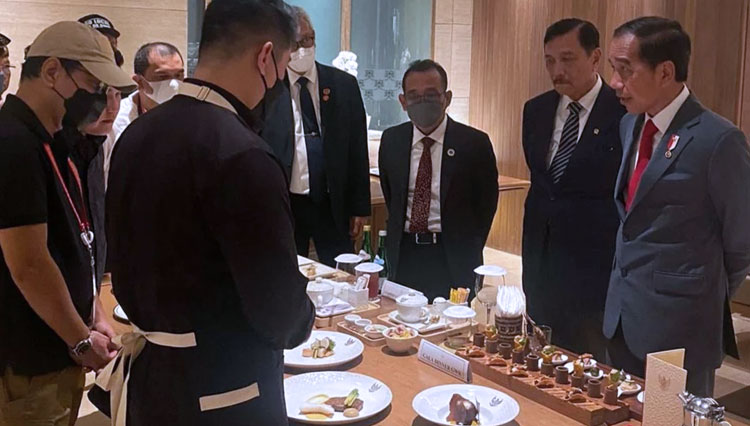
point(475, 352)
point(544, 383)
point(497, 361)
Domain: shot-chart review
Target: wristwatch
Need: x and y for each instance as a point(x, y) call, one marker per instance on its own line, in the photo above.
point(81, 347)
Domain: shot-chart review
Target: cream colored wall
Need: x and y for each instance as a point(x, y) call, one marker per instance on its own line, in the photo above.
point(139, 22)
point(452, 49)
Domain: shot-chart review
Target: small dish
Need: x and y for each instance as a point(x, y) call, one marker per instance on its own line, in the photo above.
point(375, 331)
point(351, 319)
point(360, 324)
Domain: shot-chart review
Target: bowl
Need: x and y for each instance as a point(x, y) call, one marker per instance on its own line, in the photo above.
point(319, 292)
point(459, 314)
point(400, 345)
point(351, 319)
point(362, 323)
point(375, 331)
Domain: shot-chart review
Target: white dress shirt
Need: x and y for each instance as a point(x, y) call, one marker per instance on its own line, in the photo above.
point(300, 179)
point(127, 114)
point(662, 120)
point(587, 102)
point(436, 151)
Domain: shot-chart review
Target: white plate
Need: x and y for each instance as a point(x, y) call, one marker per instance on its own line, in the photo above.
point(640, 397)
point(120, 314)
point(432, 404)
point(569, 366)
point(298, 389)
point(321, 270)
point(342, 353)
point(562, 361)
point(422, 326)
point(459, 312)
point(590, 376)
point(628, 393)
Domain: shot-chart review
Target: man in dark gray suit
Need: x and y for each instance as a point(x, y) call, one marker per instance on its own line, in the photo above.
point(683, 246)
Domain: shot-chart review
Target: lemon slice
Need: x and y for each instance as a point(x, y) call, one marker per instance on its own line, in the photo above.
point(318, 399)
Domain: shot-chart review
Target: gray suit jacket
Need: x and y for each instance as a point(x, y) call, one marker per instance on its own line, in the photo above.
point(683, 248)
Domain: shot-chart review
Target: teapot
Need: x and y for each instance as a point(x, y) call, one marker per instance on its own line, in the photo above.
point(701, 411)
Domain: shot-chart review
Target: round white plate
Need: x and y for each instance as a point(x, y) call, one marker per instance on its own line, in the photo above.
point(569, 366)
point(298, 389)
point(590, 376)
point(395, 316)
point(640, 397)
point(432, 404)
point(562, 361)
point(628, 393)
point(342, 353)
point(120, 314)
point(459, 312)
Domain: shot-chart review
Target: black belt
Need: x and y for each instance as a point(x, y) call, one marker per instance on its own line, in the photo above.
point(423, 238)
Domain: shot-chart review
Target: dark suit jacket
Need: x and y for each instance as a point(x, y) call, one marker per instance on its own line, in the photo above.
point(683, 248)
point(569, 228)
point(344, 131)
point(468, 193)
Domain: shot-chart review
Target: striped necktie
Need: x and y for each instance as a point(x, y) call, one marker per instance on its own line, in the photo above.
point(568, 142)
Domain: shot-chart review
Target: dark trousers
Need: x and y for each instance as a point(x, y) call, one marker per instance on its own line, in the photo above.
point(424, 268)
point(700, 382)
point(315, 220)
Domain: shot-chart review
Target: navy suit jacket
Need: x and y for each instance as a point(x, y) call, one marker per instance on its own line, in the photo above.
point(683, 248)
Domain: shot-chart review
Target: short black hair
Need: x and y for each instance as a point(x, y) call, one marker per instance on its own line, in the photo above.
point(231, 27)
point(141, 61)
point(588, 35)
point(32, 67)
point(660, 40)
point(423, 65)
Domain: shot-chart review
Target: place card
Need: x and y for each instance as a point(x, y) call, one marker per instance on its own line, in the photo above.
point(453, 365)
point(393, 291)
point(665, 379)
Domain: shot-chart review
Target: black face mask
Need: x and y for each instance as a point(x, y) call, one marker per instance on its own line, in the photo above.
point(83, 107)
point(272, 94)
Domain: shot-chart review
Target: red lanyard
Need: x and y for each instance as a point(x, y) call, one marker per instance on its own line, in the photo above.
point(82, 218)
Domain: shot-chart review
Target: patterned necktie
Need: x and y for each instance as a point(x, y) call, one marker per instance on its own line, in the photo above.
point(420, 206)
point(568, 142)
point(313, 143)
point(645, 150)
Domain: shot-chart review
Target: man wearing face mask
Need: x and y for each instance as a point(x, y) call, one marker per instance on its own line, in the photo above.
point(158, 68)
point(439, 179)
point(105, 26)
point(200, 238)
point(318, 130)
point(5, 66)
point(51, 321)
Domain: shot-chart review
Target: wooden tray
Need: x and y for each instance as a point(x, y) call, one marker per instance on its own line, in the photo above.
point(344, 328)
point(435, 336)
point(594, 412)
point(371, 310)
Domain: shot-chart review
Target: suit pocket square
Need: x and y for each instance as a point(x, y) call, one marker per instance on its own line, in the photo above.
point(675, 284)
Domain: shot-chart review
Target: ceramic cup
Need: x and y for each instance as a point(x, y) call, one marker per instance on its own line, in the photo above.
point(320, 293)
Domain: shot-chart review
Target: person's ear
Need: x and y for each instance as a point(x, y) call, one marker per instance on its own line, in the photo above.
point(52, 70)
point(596, 57)
point(266, 64)
point(448, 98)
point(402, 101)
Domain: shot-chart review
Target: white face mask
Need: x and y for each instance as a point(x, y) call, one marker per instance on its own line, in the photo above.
point(302, 60)
point(163, 90)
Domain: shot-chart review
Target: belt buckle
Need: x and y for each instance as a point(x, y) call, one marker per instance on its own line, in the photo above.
point(420, 242)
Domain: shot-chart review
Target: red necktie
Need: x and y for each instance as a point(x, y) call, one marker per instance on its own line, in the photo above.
point(645, 151)
point(420, 206)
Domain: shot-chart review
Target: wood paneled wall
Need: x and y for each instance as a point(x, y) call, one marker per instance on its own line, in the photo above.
point(508, 69)
point(139, 22)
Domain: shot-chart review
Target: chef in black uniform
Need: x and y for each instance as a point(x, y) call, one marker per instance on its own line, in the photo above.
point(200, 236)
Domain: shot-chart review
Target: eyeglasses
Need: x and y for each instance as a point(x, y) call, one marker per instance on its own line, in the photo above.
point(413, 98)
point(306, 42)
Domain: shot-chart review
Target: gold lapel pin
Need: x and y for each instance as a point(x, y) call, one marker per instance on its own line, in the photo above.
point(596, 131)
point(668, 154)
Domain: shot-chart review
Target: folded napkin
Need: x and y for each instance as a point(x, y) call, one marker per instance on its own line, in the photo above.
point(335, 307)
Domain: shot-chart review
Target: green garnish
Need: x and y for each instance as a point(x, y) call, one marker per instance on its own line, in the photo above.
point(351, 398)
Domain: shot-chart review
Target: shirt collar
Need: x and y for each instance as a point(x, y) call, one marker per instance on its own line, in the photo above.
point(18, 108)
point(587, 101)
point(242, 110)
point(664, 118)
point(437, 135)
point(311, 75)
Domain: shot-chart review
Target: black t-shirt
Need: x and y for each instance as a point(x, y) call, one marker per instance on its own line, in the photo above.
point(31, 194)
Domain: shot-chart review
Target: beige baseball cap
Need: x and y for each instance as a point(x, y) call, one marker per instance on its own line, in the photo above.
point(79, 42)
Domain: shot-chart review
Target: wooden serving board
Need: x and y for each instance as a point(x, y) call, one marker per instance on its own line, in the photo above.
point(593, 412)
point(368, 311)
point(435, 336)
point(344, 328)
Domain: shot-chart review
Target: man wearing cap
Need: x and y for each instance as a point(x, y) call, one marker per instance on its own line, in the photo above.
point(105, 26)
point(5, 66)
point(51, 321)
